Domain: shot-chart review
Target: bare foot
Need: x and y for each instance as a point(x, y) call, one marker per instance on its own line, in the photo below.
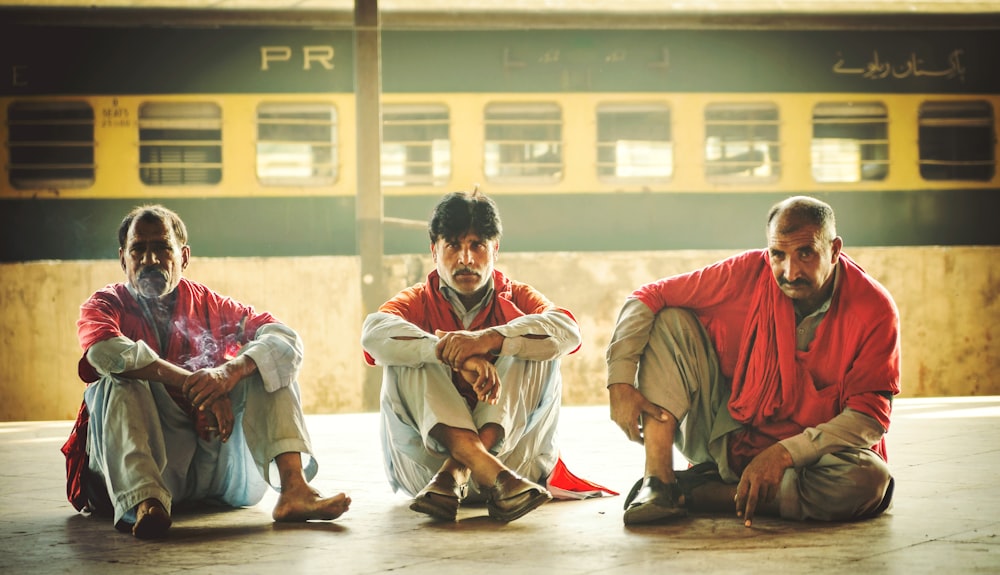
point(303, 504)
point(151, 520)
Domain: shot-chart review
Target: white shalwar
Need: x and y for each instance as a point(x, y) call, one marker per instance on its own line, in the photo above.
point(418, 393)
point(145, 446)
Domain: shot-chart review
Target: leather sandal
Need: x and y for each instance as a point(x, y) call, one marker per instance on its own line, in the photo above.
point(512, 496)
point(441, 498)
point(653, 500)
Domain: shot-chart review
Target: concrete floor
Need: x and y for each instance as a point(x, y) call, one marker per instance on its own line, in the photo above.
point(945, 454)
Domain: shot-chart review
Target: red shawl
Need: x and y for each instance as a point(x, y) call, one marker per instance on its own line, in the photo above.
point(426, 307)
point(778, 391)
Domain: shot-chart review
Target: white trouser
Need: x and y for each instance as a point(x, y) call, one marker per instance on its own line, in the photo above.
point(145, 446)
point(414, 400)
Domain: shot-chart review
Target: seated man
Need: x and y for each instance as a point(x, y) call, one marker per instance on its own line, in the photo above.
point(471, 384)
point(773, 371)
point(191, 395)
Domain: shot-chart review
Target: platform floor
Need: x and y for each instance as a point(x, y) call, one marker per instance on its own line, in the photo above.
point(945, 454)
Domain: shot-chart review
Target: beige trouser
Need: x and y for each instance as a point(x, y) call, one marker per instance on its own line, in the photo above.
point(679, 371)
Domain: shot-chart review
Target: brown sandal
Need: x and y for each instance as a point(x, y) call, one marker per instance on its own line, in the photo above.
point(441, 498)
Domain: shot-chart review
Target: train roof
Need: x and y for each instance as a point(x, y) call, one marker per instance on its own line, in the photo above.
point(520, 14)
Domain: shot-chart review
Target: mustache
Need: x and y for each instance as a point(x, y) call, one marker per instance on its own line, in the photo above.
point(465, 271)
point(152, 273)
point(796, 283)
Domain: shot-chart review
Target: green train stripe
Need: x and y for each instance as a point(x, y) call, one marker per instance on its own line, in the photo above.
point(310, 226)
point(120, 61)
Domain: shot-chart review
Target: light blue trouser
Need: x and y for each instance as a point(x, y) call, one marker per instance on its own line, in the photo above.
point(414, 400)
point(679, 371)
point(145, 446)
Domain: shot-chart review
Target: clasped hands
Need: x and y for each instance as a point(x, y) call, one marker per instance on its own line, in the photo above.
point(208, 390)
point(470, 353)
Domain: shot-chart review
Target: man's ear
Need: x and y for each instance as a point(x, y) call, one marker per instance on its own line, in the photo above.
point(434, 253)
point(185, 256)
point(121, 257)
point(836, 245)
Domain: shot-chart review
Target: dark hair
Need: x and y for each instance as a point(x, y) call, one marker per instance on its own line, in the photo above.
point(459, 213)
point(153, 213)
point(803, 211)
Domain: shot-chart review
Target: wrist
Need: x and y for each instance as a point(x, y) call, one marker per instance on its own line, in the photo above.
point(496, 341)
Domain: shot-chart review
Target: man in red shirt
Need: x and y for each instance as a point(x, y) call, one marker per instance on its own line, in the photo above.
point(772, 372)
point(190, 394)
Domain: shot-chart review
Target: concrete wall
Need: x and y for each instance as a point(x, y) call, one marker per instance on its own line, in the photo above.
point(948, 301)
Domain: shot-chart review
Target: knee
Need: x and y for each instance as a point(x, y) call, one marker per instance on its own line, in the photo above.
point(672, 318)
point(848, 485)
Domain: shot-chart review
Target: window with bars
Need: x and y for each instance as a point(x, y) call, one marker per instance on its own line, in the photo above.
point(956, 140)
point(416, 149)
point(296, 144)
point(50, 144)
point(523, 142)
point(741, 142)
point(850, 142)
point(180, 143)
point(634, 142)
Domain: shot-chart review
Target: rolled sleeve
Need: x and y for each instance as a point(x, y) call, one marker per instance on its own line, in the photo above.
point(628, 341)
point(380, 337)
point(849, 429)
point(120, 354)
point(277, 351)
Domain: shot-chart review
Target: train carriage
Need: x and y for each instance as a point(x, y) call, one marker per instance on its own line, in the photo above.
point(599, 142)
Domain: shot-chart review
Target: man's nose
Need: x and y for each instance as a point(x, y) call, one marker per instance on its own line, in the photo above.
point(465, 256)
point(792, 270)
point(149, 258)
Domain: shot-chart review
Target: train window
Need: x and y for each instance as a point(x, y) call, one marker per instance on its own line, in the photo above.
point(523, 142)
point(634, 142)
point(956, 140)
point(51, 145)
point(416, 150)
point(741, 142)
point(850, 142)
point(296, 144)
point(180, 143)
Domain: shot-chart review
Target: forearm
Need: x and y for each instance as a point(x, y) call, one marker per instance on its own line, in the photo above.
point(628, 341)
point(392, 340)
point(539, 337)
point(160, 370)
point(849, 430)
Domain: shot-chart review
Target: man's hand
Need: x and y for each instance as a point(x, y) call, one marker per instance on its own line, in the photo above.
point(205, 386)
point(760, 480)
point(628, 407)
point(222, 412)
point(455, 347)
point(483, 377)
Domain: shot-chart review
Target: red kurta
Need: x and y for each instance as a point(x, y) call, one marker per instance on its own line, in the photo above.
point(778, 391)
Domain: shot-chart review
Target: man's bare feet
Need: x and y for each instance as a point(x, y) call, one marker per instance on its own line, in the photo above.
point(305, 503)
point(151, 520)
